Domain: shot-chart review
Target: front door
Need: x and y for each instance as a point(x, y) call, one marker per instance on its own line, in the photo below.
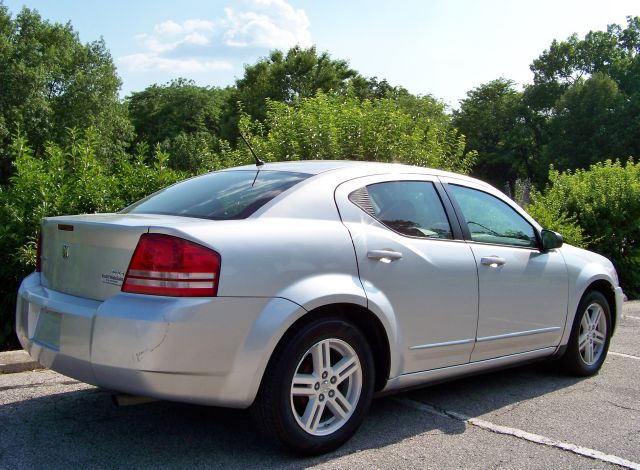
point(523, 291)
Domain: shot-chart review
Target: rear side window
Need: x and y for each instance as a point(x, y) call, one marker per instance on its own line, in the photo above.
point(411, 208)
point(225, 195)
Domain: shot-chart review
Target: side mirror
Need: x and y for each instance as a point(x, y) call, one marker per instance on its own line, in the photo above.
point(551, 240)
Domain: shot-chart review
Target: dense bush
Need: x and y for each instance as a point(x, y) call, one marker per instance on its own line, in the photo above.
point(598, 208)
point(65, 180)
point(415, 131)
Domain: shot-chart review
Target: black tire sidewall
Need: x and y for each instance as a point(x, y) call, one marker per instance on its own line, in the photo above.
point(573, 360)
point(292, 435)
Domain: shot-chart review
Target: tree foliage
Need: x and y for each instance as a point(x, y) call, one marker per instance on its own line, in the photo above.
point(65, 179)
point(497, 124)
point(52, 82)
point(344, 127)
point(602, 206)
point(585, 129)
point(186, 120)
point(609, 52)
point(583, 108)
point(299, 73)
point(160, 113)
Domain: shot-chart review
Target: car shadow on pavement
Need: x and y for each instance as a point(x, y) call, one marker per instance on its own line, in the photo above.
point(489, 392)
point(84, 429)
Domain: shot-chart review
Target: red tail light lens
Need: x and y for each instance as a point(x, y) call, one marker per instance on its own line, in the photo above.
point(39, 253)
point(167, 265)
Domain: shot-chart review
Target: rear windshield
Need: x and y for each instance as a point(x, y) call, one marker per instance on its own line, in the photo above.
point(225, 195)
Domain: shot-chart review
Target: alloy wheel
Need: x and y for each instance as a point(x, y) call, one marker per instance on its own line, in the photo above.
point(326, 387)
point(593, 334)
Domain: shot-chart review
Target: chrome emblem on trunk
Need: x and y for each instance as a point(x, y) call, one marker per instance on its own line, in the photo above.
point(65, 250)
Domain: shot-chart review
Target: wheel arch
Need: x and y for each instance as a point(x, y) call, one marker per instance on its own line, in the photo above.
point(605, 288)
point(586, 276)
point(364, 319)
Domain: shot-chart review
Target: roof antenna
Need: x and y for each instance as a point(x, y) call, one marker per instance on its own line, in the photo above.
point(258, 161)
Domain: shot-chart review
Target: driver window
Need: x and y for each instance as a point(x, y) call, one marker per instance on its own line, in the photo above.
point(490, 220)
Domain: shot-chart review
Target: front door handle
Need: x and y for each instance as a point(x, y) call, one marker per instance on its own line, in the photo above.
point(386, 256)
point(493, 261)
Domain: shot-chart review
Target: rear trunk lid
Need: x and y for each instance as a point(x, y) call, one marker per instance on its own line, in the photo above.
point(88, 255)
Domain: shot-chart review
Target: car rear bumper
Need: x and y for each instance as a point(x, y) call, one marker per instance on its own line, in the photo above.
point(202, 350)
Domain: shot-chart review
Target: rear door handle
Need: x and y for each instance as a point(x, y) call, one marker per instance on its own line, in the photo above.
point(493, 261)
point(386, 256)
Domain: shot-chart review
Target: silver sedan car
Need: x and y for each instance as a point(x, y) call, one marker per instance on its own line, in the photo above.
point(303, 289)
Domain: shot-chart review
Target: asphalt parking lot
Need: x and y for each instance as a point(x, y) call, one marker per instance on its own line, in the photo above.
point(528, 417)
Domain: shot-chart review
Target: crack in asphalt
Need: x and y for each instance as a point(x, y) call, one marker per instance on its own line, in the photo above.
point(622, 406)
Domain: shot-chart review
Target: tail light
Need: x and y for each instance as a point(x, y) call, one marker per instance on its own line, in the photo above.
point(39, 253)
point(167, 265)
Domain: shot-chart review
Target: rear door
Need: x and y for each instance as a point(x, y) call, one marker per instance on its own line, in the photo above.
point(414, 265)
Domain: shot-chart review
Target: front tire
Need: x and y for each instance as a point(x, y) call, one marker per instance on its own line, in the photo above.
point(317, 388)
point(590, 336)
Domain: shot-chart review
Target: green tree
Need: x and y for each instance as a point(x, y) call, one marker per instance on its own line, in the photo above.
point(161, 112)
point(344, 127)
point(185, 119)
point(586, 126)
point(609, 52)
point(299, 73)
point(372, 88)
point(497, 123)
point(52, 82)
point(583, 107)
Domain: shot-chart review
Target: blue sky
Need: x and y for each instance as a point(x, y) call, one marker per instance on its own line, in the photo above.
point(437, 47)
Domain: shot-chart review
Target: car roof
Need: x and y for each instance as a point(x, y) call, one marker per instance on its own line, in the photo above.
point(316, 167)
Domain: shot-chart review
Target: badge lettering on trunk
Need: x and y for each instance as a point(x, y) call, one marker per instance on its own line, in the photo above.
point(65, 250)
point(115, 277)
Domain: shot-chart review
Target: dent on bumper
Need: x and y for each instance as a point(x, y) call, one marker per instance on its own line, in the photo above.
point(201, 350)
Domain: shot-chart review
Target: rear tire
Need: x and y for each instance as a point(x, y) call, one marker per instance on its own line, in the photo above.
point(590, 336)
point(317, 388)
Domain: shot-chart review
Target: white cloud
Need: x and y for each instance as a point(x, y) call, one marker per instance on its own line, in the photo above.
point(157, 46)
point(171, 27)
point(198, 25)
point(197, 45)
point(150, 62)
point(269, 23)
point(167, 27)
point(196, 38)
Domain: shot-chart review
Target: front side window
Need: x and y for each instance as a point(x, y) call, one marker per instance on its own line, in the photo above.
point(491, 220)
point(411, 208)
point(224, 195)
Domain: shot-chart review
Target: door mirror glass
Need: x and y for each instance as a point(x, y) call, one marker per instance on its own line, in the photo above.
point(551, 240)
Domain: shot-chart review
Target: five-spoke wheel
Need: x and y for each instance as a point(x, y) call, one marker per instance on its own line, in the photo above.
point(317, 387)
point(593, 334)
point(326, 386)
point(589, 341)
